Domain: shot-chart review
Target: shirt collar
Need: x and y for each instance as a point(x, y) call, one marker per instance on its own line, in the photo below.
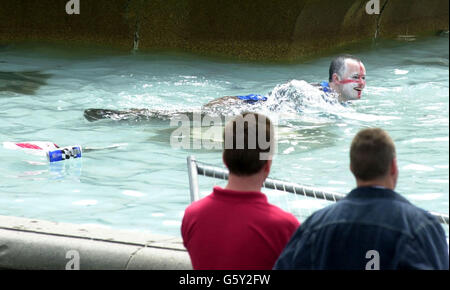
point(375, 192)
point(242, 195)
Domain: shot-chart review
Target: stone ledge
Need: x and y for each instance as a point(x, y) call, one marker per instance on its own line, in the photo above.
point(43, 245)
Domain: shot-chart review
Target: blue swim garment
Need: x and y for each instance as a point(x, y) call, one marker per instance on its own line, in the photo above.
point(252, 98)
point(325, 87)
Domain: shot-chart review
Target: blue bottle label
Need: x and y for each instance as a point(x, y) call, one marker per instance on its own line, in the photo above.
point(64, 153)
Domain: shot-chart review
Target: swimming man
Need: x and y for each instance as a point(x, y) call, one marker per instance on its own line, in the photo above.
point(346, 82)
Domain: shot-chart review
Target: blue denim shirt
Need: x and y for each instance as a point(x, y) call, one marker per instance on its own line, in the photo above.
point(340, 236)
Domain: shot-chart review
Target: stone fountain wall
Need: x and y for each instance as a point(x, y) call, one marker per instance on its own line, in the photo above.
point(257, 29)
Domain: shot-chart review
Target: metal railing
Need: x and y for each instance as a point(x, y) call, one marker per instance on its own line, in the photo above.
point(196, 168)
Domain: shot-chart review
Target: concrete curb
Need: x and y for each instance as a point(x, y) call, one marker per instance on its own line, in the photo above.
point(42, 245)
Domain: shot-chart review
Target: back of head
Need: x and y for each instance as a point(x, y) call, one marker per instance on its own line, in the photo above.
point(371, 154)
point(248, 143)
point(338, 65)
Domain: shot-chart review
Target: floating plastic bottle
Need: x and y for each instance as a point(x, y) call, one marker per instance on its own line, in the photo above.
point(64, 153)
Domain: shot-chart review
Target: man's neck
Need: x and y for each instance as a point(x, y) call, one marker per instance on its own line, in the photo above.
point(334, 88)
point(245, 183)
point(376, 183)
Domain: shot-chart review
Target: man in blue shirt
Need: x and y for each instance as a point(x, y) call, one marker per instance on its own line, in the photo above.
point(373, 227)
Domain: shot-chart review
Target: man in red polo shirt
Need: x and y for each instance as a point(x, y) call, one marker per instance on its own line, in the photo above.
point(235, 228)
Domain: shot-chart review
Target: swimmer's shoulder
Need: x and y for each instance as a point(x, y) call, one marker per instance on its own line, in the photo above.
point(227, 100)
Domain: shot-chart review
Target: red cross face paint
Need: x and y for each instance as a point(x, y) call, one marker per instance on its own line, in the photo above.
point(353, 81)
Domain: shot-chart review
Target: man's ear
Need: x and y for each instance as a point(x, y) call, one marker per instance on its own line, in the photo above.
point(335, 78)
point(223, 160)
point(269, 164)
point(394, 172)
point(267, 167)
point(394, 167)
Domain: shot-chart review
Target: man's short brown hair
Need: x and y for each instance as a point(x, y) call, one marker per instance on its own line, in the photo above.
point(371, 154)
point(338, 65)
point(248, 143)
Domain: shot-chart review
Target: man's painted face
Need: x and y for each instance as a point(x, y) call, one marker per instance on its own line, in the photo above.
point(353, 80)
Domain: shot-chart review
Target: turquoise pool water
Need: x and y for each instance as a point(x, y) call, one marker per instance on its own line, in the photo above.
point(144, 185)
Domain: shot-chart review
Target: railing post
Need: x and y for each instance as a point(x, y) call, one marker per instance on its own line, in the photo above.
point(193, 178)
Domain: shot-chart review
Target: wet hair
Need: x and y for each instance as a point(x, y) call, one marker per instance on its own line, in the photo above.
point(338, 65)
point(371, 154)
point(248, 143)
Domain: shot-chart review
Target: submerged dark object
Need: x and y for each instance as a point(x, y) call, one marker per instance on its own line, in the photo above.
point(212, 108)
point(24, 82)
point(136, 115)
point(97, 114)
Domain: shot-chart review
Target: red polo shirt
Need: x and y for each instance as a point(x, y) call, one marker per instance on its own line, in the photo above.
point(233, 230)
